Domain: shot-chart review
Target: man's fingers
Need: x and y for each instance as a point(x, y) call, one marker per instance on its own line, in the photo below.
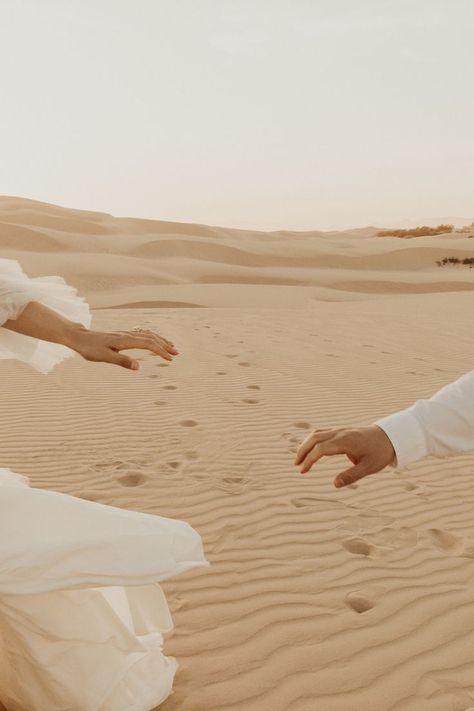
point(308, 444)
point(323, 449)
point(349, 476)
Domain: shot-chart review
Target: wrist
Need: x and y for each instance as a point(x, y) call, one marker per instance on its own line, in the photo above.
point(74, 335)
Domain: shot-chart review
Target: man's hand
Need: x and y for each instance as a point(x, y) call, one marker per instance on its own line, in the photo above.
point(105, 347)
point(368, 448)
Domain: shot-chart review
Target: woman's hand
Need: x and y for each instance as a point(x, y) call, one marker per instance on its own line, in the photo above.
point(106, 347)
point(39, 321)
point(368, 448)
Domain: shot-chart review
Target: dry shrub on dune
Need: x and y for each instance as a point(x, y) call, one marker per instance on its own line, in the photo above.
point(468, 261)
point(423, 231)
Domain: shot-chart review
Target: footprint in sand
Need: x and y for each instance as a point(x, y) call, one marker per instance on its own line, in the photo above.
point(358, 602)
point(132, 480)
point(418, 490)
point(221, 372)
point(449, 543)
point(162, 365)
point(170, 387)
point(249, 401)
point(160, 402)
point(294, 441)
point(291, 437)
point(233, 484)
point(188, 423)
point(191, 455)
point(317, 501)
point(367, 522)
point(253, 387)
point(359, 546)
point(332, 355)
point(232, 355)
point(174, 465)
point(395, 537)
point(152, 376)
point(302, 425)
point(245, 364)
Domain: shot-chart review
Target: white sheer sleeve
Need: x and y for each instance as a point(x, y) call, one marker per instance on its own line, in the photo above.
point(16, 291)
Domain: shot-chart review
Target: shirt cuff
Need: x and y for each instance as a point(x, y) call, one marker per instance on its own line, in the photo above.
point(406, 435)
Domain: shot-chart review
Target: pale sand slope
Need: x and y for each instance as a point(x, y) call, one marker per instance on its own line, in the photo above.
point(317, 599)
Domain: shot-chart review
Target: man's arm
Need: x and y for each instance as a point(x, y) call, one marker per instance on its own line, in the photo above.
point(441, 426)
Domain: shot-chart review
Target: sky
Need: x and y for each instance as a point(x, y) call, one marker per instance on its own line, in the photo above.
point(265, 114)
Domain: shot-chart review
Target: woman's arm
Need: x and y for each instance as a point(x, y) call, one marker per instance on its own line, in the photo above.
point(39, 321)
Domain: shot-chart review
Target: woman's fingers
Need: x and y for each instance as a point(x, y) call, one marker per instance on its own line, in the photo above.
point(170, 347)
point(143, 342)
point(147, 333)
point(308, 444)
point(124, 361)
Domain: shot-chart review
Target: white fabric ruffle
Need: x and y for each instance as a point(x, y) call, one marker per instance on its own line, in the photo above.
point(81, 612)
point(16, 291)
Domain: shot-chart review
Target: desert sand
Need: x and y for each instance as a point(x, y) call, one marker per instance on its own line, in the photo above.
point(317, 599)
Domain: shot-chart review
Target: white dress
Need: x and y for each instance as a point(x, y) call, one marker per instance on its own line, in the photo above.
point(81, 610)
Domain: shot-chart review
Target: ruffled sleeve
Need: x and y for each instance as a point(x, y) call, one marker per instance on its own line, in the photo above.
point(18, 290)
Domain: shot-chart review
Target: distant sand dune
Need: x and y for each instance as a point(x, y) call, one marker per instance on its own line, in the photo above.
point(19, 237)
point(156, 305)
point(55, 223)
point(111, 254)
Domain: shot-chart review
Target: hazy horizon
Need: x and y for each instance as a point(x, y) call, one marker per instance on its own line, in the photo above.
point(289, 114)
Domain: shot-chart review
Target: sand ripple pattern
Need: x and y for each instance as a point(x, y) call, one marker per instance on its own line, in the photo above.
point(360, 599)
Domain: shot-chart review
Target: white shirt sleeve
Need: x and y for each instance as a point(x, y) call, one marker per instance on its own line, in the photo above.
point(442, 426)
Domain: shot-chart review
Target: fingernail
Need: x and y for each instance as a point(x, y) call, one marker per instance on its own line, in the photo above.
point(135, 366)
